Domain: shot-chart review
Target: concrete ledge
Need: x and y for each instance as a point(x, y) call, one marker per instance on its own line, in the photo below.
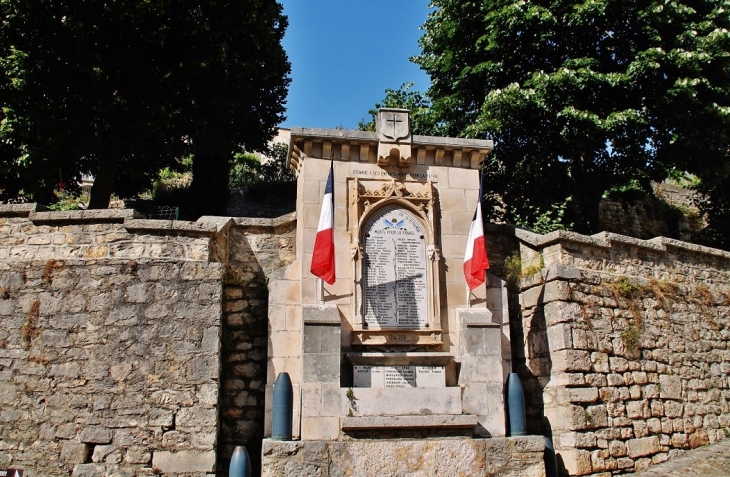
point(81, 216)
point(408, 422)
point(20, 210)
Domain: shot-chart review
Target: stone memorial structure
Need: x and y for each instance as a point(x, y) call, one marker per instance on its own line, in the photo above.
point(397, 347)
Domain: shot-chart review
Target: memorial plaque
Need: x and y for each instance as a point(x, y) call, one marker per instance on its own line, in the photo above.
point(394, 271)
point(398, 376)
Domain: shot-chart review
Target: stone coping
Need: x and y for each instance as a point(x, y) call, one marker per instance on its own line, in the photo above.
point(408, 422)
point(136, 222)
point(602, 240)
point(20, 210)
point(437, 358)
point(82, 216)
point(170, 226)
point(266, 222)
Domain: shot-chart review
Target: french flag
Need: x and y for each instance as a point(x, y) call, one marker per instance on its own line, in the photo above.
point(323, 255)
point(476, 262)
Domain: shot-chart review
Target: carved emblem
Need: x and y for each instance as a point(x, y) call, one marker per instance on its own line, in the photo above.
point(393, 124)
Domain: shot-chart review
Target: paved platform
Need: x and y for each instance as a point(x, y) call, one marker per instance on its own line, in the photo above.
point(710, 461)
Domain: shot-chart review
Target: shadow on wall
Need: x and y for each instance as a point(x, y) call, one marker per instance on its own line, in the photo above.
point(244, 345)
point(532, 360)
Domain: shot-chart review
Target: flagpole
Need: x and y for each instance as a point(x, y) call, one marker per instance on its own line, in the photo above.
point(320, 291)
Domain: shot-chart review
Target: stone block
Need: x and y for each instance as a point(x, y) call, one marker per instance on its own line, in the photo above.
point(560, 336)
point(311, 399)
point(320, 428)
point(95, 435)
point(321, 368)
point(577, 439)
point(578, 395)
point(184, 461)
point(643, 446)
point(671, 387)
point(571, 361)
point(566, 417)
point(88, 470)
point(576, 461)
point(481, 369)
point(321, 315)
point(74, 452)
point(406, 401)
point(597, 416)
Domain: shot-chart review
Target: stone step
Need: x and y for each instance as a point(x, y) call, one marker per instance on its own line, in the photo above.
point(409, 422)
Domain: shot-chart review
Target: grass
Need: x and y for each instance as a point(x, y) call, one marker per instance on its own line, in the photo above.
point(631, 339)
point(514, 270)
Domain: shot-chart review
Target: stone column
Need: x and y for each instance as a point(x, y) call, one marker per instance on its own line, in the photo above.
point(321, 396)
point(482, 369)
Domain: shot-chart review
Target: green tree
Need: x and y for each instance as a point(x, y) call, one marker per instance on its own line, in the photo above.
point(581, 97)
point(422, 118)
point(119, 89)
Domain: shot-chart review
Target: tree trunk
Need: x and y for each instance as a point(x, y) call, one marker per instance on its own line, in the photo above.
point(105, 176)
point(209, 189)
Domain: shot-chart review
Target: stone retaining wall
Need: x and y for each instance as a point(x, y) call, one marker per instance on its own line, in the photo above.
point(109, 345)
point(626, 350)
point(116, 331)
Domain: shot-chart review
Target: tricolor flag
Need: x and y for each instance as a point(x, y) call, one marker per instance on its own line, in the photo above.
point(323, 255)
point(476, 262)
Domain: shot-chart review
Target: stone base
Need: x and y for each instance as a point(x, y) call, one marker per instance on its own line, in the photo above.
point(505, 457)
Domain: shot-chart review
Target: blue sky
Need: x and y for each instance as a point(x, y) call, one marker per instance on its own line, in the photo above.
point(345, 53)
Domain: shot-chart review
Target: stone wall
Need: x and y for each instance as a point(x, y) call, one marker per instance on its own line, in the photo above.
point(109, 344)
point(670, 212)
point(115, 333)
point(626, 348)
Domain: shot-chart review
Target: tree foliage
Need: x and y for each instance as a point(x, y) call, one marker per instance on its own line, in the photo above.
point(581, 97)
point(120, 89)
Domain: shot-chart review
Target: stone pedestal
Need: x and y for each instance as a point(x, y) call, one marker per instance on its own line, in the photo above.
point(504, 457)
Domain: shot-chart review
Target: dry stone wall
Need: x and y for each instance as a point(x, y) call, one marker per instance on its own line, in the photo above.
point(626, 352)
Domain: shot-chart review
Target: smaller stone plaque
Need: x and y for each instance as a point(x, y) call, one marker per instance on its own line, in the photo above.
point(430, 376)
point(366, 376)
